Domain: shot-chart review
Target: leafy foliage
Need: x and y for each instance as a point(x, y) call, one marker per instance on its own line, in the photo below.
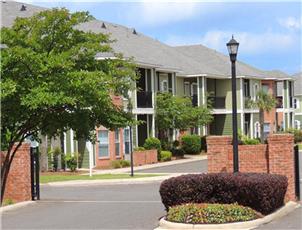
point(210, 213)
point(139, 148)
point(51, 81)
point(120, 164)
point(175, 112)
point(245, 140)
point(153, 143)
point(191, 144)
point(265, 103)
point(165, 156)
point(71, 161)
point(260, 191)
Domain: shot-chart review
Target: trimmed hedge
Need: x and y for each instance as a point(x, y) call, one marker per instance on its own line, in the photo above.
point(165, 156)
point(210, 213)
point(191, 144)
point(260, 191)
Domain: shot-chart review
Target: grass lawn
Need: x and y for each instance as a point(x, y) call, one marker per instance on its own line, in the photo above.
point(54, 177)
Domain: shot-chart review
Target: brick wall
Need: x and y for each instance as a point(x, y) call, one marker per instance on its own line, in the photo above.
point(144, 157)
point(276, 157)
point(18, 185)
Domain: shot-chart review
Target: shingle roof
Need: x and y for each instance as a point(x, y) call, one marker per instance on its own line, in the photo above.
point(221, 62)
point(298, 84)
point(186, 60)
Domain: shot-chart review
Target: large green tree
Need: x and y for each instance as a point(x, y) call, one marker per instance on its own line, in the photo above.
point(51, 81)
point(176, 112)
point(265, 103)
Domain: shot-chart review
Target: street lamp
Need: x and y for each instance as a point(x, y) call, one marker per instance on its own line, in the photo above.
point(232, 46)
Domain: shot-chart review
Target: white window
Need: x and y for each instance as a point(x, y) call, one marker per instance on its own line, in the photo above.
point(117, 142)
point(297, 124)
point(187, 89)
point(127, 140)
point(164, 86)
point(103, 143)
point(265, 88)
point(194, 89)
point(257, 130)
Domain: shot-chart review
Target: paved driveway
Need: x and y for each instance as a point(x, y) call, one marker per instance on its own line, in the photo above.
point(90, 207)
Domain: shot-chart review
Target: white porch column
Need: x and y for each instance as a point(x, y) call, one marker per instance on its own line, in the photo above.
point(198, 100)
point(242, 106)
point(71, 142)
point(252, 125)
point(203, 100)
point(153, 125)
point(65, 143)
point(89, 147)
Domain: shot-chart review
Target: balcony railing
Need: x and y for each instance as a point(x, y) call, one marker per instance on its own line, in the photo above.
point(144, 99)
point(217, 102)
point(279, 102)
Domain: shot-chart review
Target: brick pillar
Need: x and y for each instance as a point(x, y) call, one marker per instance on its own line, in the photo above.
point(281, 160)
point(18, 184)
point(217, 151)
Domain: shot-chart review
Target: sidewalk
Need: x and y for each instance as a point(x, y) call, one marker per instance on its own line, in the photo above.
point(188, 158)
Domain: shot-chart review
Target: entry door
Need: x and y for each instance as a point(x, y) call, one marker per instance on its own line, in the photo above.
point(142, 129)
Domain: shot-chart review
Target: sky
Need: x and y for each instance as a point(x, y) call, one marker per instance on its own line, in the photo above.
point(269, 32)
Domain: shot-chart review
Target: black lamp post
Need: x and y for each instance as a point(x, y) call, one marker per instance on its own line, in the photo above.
point(233, 48)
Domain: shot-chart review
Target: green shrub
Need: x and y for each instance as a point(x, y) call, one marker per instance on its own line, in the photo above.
point(210, 213)
point(8, 201)
point(71, 161)
point(139, 148)
point(165, 156)
point(152, 143)
point(191, 144)
point(245, 140)
point(177, 152)
point(120, 164)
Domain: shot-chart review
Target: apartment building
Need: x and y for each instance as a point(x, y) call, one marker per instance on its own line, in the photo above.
point(298, 100)
point(194, 71)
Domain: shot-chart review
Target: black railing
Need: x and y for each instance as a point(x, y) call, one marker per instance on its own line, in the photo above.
point(217, 102)
point(279, 102)
point(144, 99)
point(194, 100)
point(297, 172)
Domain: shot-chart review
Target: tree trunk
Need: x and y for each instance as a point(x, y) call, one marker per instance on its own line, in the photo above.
point(261, 117)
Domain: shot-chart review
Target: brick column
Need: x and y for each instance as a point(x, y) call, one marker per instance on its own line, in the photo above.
point(217, 150)
point(281, 160)
point(18, 184)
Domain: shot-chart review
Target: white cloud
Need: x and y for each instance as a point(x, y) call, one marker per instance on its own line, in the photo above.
point(291, 22)
point(250, 43)
point(161, 13)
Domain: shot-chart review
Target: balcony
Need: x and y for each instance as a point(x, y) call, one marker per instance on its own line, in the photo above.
point(144, 99)
point(279, 102)
point(217, 102)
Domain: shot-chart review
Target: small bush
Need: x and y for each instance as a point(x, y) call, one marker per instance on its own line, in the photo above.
point(152, 143)
point(210, 213)
point(165, 156)
point(177, 152)
point(245, 140)
point(139, 148)
point(71, 161)
point(120, 164)
point(8, 201)
point(261, 191)
point(191, 144)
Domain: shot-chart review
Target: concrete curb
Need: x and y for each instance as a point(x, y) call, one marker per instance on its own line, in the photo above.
point(150, 166)
point(287, 208)
point(143, 180)
point(15, 206)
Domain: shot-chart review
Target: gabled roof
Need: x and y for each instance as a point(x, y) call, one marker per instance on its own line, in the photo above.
point(298, 84)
